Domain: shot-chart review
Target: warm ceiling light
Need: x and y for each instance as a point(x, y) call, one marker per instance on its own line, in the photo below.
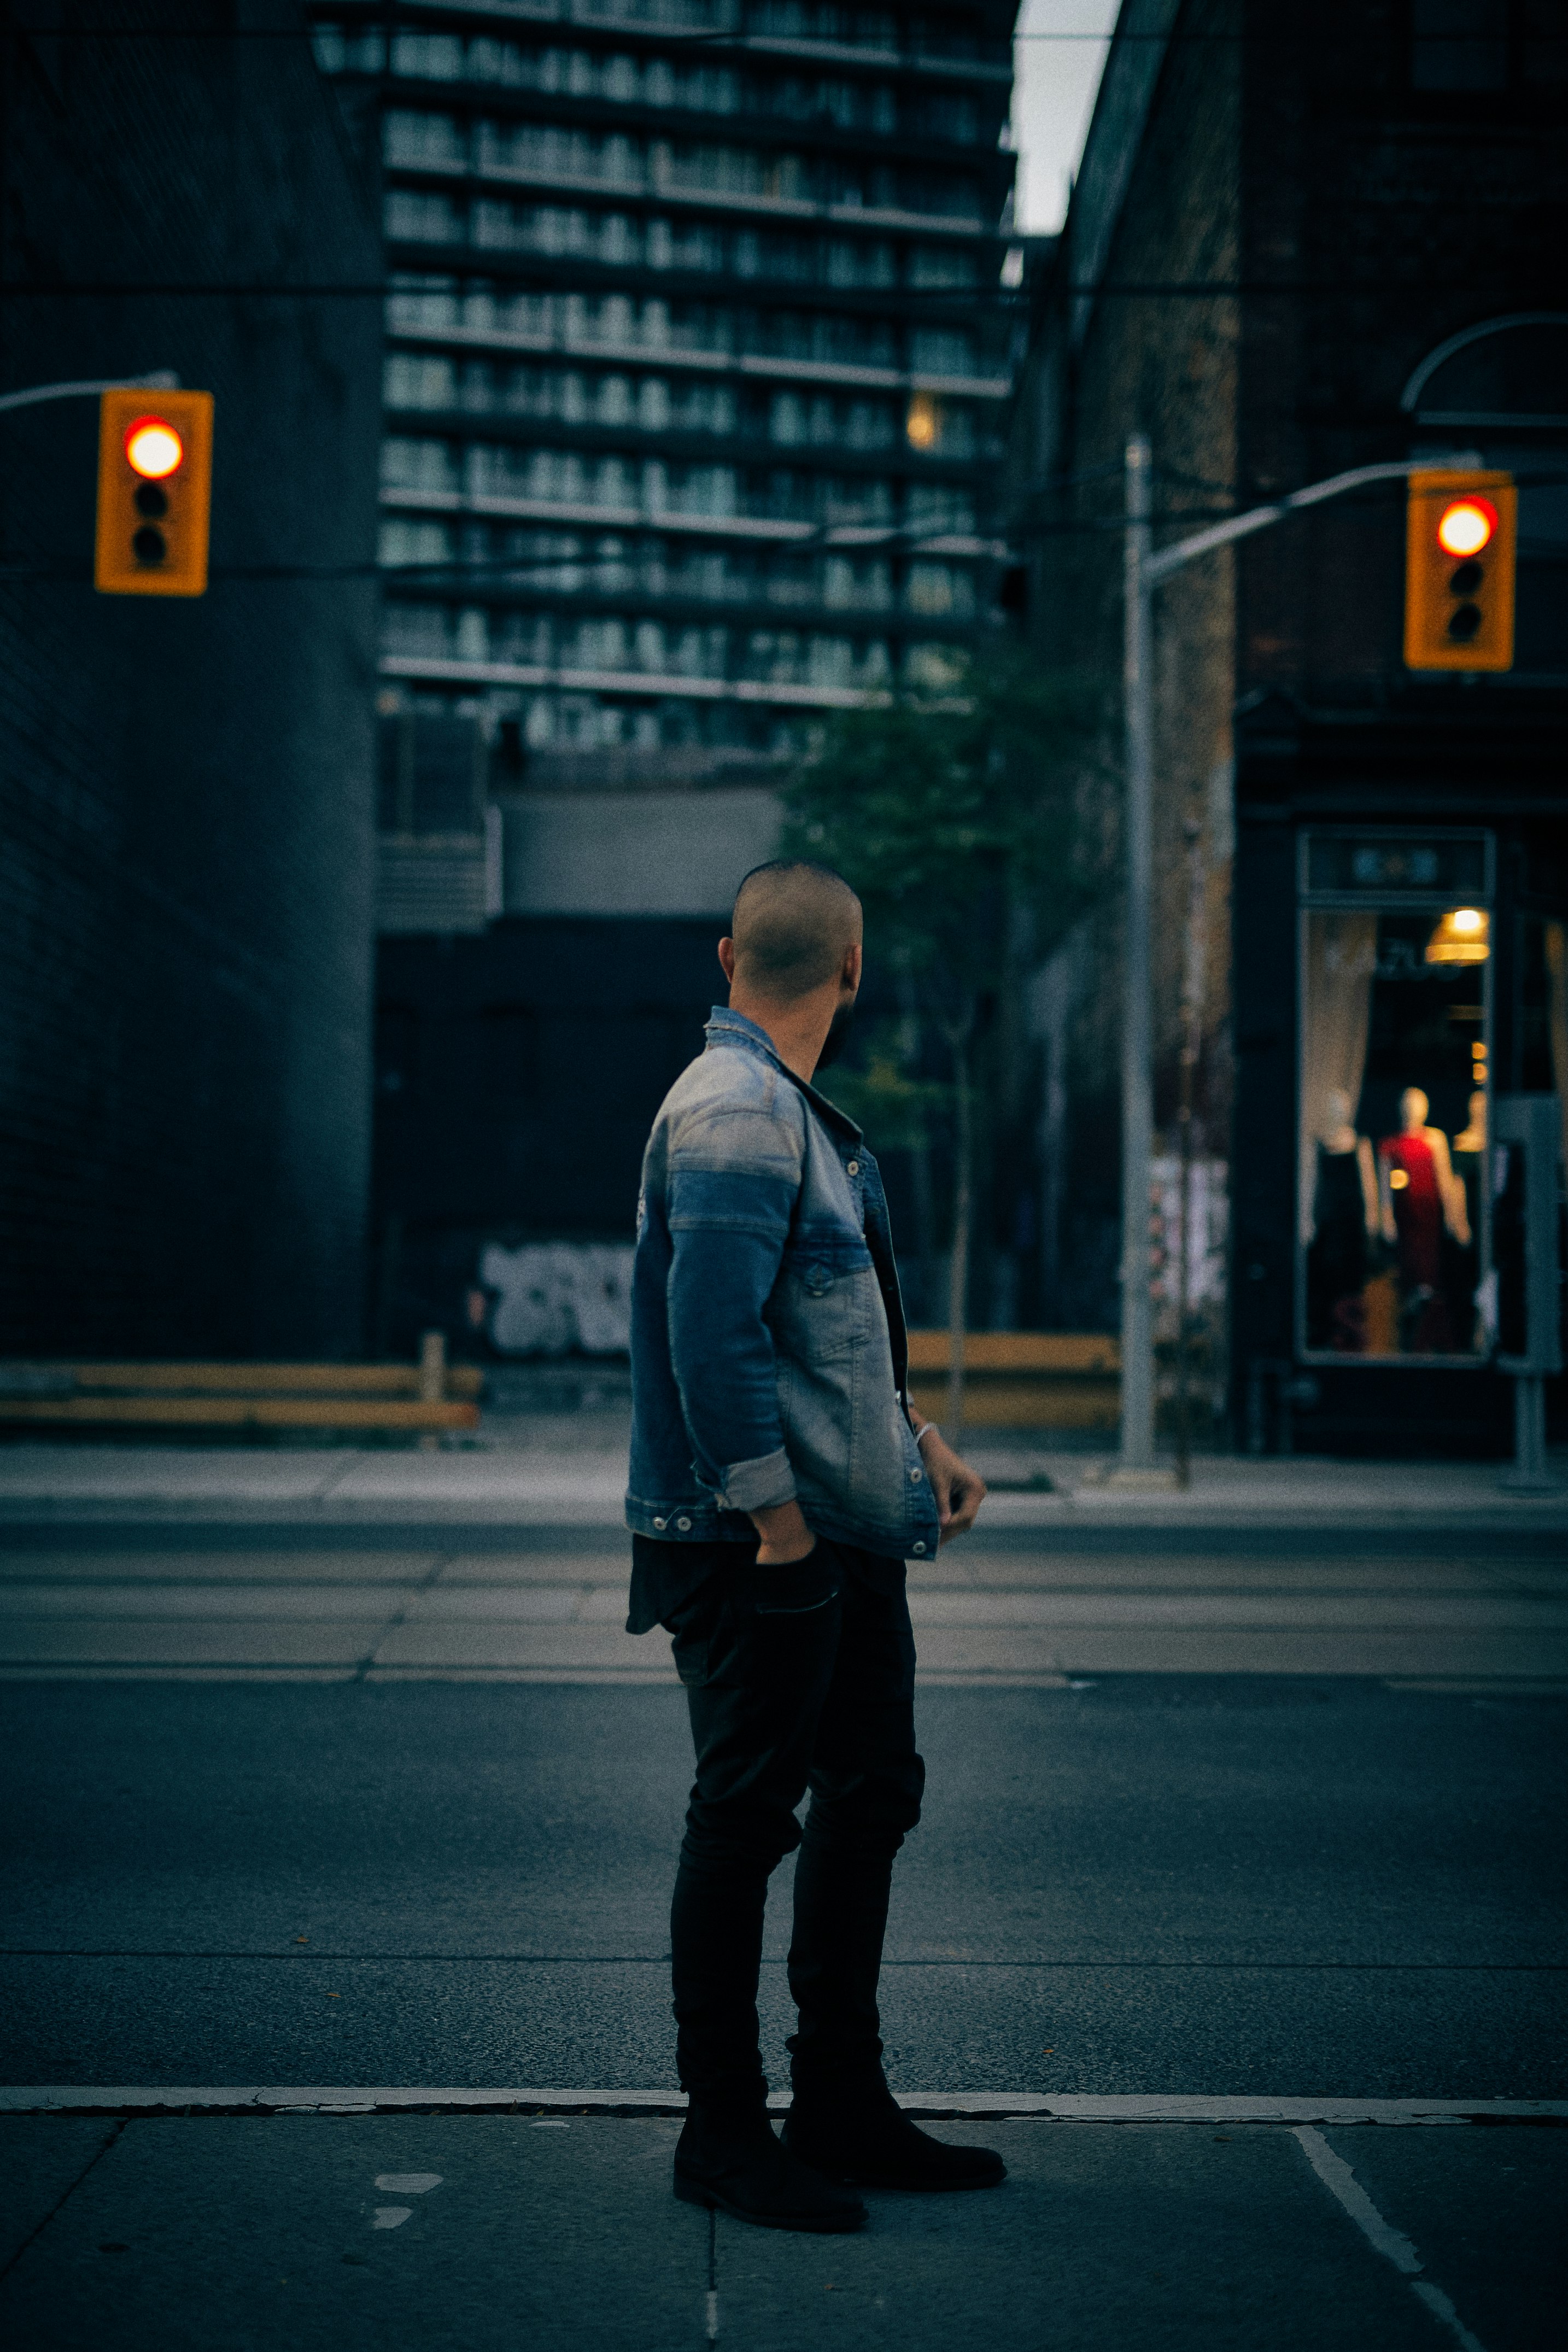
point(1465, 526)
point(153, 448)
point(1460, 936)
point(921, 424)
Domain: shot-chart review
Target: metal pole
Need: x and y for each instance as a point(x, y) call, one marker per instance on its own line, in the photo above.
point(1192, 1041)
point(160, 380)
point(1137, 1062)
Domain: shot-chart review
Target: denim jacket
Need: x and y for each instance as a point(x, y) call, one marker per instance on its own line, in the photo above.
point(769, 1353)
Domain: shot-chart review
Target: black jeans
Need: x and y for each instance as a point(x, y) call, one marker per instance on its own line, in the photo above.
point(796, 1679)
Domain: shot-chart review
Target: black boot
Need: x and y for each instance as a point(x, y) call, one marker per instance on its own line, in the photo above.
point(860, 2134)
point(733, 2162)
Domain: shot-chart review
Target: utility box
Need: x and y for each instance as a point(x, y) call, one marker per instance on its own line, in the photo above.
point(1528, 1134)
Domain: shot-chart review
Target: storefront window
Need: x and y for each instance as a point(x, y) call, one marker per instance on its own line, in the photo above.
point(1392, 1215)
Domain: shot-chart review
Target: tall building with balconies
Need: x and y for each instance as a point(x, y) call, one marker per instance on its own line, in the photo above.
point(697, 354)
point(694, 357)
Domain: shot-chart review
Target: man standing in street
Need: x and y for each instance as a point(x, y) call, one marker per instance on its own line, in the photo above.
point(779, 1483)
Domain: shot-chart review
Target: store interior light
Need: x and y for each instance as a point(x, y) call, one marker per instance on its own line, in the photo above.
point(1462, 936)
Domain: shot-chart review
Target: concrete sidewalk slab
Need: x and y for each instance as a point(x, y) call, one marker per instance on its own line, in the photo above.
point(981, 1611)
point(529, 1485)
point(474, 2232)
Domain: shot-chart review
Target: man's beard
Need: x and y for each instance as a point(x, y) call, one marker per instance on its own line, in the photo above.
point(838, 1030)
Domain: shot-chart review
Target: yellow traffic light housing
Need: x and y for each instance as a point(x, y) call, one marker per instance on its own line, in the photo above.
point(1460, 529)
point(155, 491)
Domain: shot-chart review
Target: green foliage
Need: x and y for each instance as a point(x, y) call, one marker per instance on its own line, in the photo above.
point(951, 814)
point(892, 1108)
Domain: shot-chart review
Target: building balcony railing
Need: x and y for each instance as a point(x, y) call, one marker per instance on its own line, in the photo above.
point(689, 270)
point(926, 441)
point(898, 140)
point(672, 584)
point(678, 246)
point(836, 525)
point(441, 150)
point(714, 338)
point(639, 655)
point(910, 48)
point(643, 685)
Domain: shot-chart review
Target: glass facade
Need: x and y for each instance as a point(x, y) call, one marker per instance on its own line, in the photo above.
point(696, 357)
point(1393, 1194)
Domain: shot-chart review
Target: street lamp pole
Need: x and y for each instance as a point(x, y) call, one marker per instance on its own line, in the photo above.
point(1137, 1052)
point(1142, 572)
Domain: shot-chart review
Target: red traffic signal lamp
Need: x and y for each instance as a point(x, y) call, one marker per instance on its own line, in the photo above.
point(154, 492)
point(1459, 536)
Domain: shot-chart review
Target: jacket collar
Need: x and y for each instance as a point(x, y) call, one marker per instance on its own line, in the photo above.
point(724, 1027)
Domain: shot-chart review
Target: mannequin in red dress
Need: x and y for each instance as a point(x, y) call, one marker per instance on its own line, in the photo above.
point(1421, 1197)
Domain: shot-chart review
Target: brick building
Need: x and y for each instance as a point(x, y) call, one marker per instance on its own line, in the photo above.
point(697, 359)
point(186, 889)
point(1287, 256)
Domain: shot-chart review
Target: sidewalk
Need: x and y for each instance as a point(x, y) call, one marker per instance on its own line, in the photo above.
point(509, 1563)
point(559, 2230)
point(570, 1471)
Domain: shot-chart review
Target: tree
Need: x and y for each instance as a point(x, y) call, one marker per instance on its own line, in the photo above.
point(950, 810)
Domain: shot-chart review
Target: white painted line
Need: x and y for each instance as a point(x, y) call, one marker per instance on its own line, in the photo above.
point(408, 2184)
point(1340, 2181)
point(390, 2217)
point(1393, 2244)
point(712, 2314)
point(1124, 2107)
point(1437, 2302)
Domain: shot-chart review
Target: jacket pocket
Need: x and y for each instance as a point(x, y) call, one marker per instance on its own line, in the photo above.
point(813, 1309)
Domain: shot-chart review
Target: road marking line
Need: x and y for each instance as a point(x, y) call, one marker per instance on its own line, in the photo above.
point(408, 2184)
point(712, 2314)
point(390, 2217)
point(1037, 2106)
point(1337, 2177)
point(1393, 2244)
point(1438, 2303)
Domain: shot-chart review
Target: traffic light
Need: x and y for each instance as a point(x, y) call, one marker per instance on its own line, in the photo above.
point(1459, 533)
point(155, 489)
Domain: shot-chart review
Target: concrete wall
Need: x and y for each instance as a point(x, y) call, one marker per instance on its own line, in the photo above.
point(647, 853)
point(185, 926)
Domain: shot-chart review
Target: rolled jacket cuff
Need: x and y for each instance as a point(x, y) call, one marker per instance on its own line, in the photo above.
point(758, 1484)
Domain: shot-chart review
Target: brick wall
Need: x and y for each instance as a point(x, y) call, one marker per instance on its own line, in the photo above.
point(186, 892)
point(1168, 369)
point(1364, 219)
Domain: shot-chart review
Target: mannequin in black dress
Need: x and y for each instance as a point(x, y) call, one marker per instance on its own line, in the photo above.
point(1345, 1219)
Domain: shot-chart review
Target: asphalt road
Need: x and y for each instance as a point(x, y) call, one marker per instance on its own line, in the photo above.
point(1151, 1884)
point(225, 1860)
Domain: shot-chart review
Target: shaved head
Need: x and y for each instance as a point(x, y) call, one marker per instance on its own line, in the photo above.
point(792, 926)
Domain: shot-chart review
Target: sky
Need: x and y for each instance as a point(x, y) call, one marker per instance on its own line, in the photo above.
point(1053, 94)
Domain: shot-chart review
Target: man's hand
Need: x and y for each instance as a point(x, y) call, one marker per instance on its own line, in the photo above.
point(783, 1536)
point(959, 1490)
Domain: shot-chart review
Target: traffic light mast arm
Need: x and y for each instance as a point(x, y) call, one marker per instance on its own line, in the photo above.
point(160, 380)
point(1181, 551)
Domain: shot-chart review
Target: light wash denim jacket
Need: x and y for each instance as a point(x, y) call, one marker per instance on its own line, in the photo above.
point(769, 1353)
